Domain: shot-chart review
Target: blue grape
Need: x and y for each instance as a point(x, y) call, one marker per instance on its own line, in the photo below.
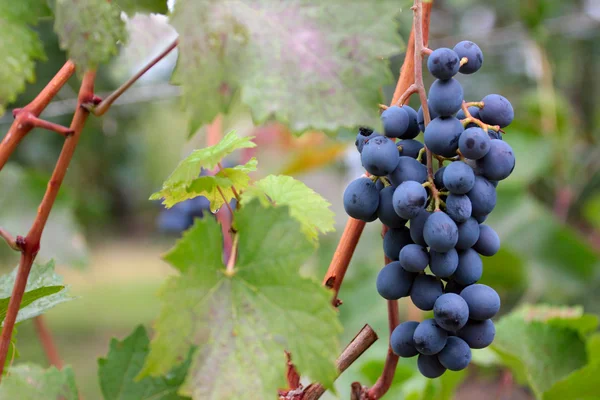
point(414, 258)
point(453, 287)
point(413, 123)
point(395, 121)
point(379, 156)
point(408, 169)
point(361, 199)
point(401, 340)
point(429, 338)
point(468, 233)
point(425, 291)
point(385, 211)
point(481, 218)
point(394, 240)
point(443, 265)
point(482, 196)
point(394, 282)
point(492, 134)
point(379, 185)
point(473, 53)
point(416, 227)
point(478, 334)
point(440, 232)
point(443, 63)
point(371, 218)
point(469, 268)
point(496, 110)
point(438, 178)
point(175, 220)
point(451, 312)
point(474, 143)
point(442, 135)
point(499, 162)
point(483, 301)
point(458, 207)
point(446, 97)
point(421, 118)
point(458, 177)
point(488, 242)
point(409, 198)
point(430, 366)
point(410, 148)
point(456, 356)
point(363, 135)
point(473, 110)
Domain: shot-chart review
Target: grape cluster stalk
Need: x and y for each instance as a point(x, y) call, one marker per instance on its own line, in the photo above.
point(436, 234)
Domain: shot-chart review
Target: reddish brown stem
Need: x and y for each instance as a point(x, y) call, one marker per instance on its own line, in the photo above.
point(47, 342)
point(292, 376)
point(9, 239)
point(406, 95)
point(35, 122)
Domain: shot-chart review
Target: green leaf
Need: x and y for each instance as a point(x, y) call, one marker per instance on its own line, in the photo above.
point(44, 290)
point(185, 183)
point(309, 64)
point(580, 385)
point(130, 7)
point(243, 320)
point(306, 205)
point(561, 316)
point(32, 382)
point(125, 360)
point(89, 30)
point(542, 351)
point(593, 347)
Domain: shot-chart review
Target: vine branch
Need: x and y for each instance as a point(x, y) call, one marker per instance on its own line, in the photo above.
point(47, 342)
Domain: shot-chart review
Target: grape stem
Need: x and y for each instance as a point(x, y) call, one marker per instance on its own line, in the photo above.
point(470, 119)
point(463, 61)
point(9, 239)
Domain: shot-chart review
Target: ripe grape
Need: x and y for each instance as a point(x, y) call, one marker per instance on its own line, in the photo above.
point(451, 312)
point(408, 169)
point(469, 268)
point(474, 143)
point(496, 110)
point(483, 301)
point(394, 282)
point(385, 211)
point(175, 220)
point(478, 334)
point(421, 118)
point(458, 177)
point(413, 123)
point(402, 341)
point(425, 291)
point(443, 63)
point(394, 240)
point(416, 227)
point(456, 355)
point(438, 178)
point(468, 233)
point(409, 198)
point(473, 110)
point(362, 136)
point(446, 97)
point(429, 338)
point(430, 366)
point(409, 148)
point(473, 53)
point(488, 242)
point(458, 207)
point(414, 258)
point(440, 232)
point(499, 162)
point(443, 265)
point(361, 199)
point(395, 121)
point(482, 196)
point(379, 156)
point(442, 136)
point(494, 135)
point(453, 287)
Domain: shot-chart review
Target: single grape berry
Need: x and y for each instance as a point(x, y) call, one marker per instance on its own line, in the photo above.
point(413, 123)
point(402, 341)
point(379, 156)
point(421, 118)
point(481, 218)
point(416, 227)
point(440, 232)
point(483, 301)
point(482, 196)
point(446, 97)
point(362, 136)
point(444, 264)
point(453, 287)
point(458, 177)
point(442, 136)
point(394, 282)
point(429, 338)
point(395, 121)
point(425, 291)
point(430, 366)
point(385, 211)
point(468, 234)
point(496, 110)
point(469, 268)
point(478, 334)
point(408, 169)
point(361, 198)
point(451, 312)
point(474, 55)
point(414, 258)
point(474, 143)
point(410, 148)
point(438, 178)
point(409, 198)
point(499, 162)
point(443, 63)
point(458, 207)
point(394, 240)
point(456, 355)
point(488, 242)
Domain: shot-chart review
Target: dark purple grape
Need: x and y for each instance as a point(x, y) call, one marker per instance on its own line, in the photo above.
point(430, 366)
point(443, 63)
point(474, 143)
point(443, 265)
point(394, 240)
point(416, 227)
point(474, 55)
point(468, 233)
point(478, 334)
point(483, 301)
point(379, 156)
point(361, 199)
point(440, 232)
point(456, 356)
point(499, 162)
point(401, 340)
point(446, 97)
point(425, 291)
point(458, 177)
point(488, 242)
point(469, 268)
point(408, 169)
point(409, 199)
point(442, 135)
point(385, 211)
point(496, 110)
point(429, 338)
point(394, 282)
point(451, 312)
point(395, 121)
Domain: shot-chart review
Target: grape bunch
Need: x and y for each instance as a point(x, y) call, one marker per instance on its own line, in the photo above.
point(444, 208)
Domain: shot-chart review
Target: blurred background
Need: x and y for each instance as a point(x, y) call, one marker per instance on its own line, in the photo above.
point(107, 238)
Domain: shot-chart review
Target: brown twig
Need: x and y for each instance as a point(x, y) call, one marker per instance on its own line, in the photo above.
point(104, 105)
point(47, 342)
point(9, 239)
point(34, 122)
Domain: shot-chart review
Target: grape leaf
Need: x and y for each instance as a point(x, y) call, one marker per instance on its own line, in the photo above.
point(89, 30)
point(32, 382)
point(43, 283)
point(125, 360)
point(542, 351)
point(309, 64)
point(306, 205)
point(243, 320)
point(28, 298)
point(593, 347)
point(580, 385)
point(561, 316)
point(130, 7)
point(185, 182)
